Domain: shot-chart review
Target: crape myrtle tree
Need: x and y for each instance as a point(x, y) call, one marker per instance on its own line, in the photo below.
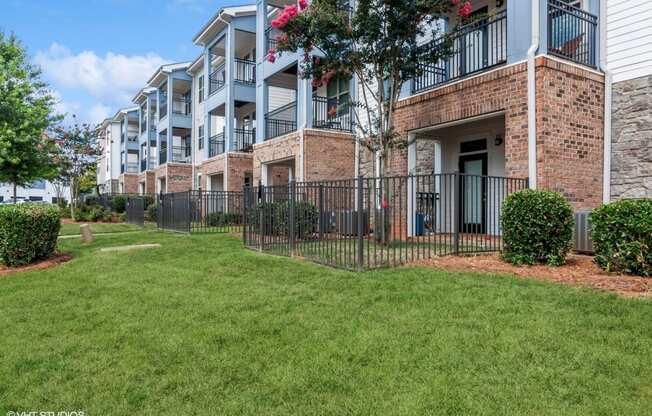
point(78, 151)
point(26, 115)
point(380, 42)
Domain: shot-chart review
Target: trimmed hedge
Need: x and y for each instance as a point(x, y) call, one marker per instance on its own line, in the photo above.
point(276, 215)
point(119, 203)
point(28, 233)
point(150, 213)
point(622, 236)
point(221, 219)
point(537, 228)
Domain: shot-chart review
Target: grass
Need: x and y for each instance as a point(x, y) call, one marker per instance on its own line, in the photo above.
point(96, 227)
point(203, 326)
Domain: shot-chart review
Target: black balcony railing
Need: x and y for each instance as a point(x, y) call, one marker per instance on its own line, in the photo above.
point(281, 121)
point(243, 140)
point(216, 145)
point(332, 114)
point(182, 105)
point(216, 80)
point(132, 167)
point(132, 139)
point(245, 71)
point(163, 154)
point(474, 48)
point(163, 108)
point(270, 39)
point(572, 33)
point(181, 154)
point(122, 168)
point(143, 165)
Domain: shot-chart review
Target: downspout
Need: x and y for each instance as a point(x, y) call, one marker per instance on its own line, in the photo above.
point(606, 174)
point(532, 96)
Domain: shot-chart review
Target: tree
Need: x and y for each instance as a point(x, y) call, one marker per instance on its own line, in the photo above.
point(78, 150)
point(26, 114)
point(380, 43)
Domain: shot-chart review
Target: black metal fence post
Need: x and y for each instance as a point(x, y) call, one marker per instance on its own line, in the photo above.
point(456, 212)
point(291, 216)
point(360, 220)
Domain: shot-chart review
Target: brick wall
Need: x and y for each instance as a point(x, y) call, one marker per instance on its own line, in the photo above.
point(569, 123)
point(129, 183)
point(149, 179)
point(327, 155)
point(178, 177)
point(239, 165)
point(212, 166)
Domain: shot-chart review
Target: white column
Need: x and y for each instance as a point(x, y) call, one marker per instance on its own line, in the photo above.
point(411, 185)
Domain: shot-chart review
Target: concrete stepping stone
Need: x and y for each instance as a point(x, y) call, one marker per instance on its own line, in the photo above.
point(131, 247)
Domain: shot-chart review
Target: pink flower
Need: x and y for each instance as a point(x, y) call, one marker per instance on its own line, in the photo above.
point(271, 58)
point(316, 83)
point(384, 204)
point(332, 111)
point(276, 23)
point(455, 2)
point(281, 37)
point(303, 4)
point(466, 9)
point(290, 10)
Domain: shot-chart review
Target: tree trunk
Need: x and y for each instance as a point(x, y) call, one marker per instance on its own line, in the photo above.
point(73, 200)
point(15, 193)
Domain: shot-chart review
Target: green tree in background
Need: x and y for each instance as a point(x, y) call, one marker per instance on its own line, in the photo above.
point(26, 115)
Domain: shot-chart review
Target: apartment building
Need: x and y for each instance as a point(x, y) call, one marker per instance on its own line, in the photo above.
point(108, 167)
point(521, 96)
point(629, 63)
point(128, 121)
point(173, 109)
point(146, 100)
point(225, 79)
point(303, 133)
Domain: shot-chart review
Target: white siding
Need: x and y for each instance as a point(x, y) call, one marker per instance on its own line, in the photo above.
point(629, 38)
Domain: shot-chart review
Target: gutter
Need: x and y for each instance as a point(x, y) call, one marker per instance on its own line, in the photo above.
point(606, 173)
point(532, 95)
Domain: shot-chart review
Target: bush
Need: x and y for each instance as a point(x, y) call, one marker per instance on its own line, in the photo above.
point(537, 228)
point(221, 219)
point(276, 215)
point(622, 236)
point(119, 203)
point(150, 213)
point(28, 233)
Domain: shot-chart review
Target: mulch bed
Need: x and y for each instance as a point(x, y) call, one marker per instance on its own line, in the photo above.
point(53, 261)
point(578, 271)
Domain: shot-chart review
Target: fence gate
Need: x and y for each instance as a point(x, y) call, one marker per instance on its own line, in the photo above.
point(135, 209)
point(367, 223)
point(201, 211)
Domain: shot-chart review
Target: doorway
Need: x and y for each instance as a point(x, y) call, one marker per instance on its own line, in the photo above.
point(473, 193)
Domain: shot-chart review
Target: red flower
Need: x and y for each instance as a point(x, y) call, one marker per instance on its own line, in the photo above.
point(316, 83)
point(271, 58)
point(276, 23)
point(303, 4)
point(455, 2)
point(384, 204)
point(332, 111)
point(290, 10)
point(466, 9)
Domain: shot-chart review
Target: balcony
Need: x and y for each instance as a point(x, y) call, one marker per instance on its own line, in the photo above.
point(245, 71)
point(216, 145)
point(163, 107)
point(332, 114)
point(243, 140)
point(143, 165)
point(132, 167)
point(474, 48)
point(132, 139)
point(270, 38)
point(572, 33)
point(216, 80)
point(182, 105)
point(181, 154)
point(281, 121)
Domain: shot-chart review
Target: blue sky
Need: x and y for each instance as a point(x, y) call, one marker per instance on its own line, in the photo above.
point(96, 54)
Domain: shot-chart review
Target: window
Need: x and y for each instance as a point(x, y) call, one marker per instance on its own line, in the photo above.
point(200, 88)
point(36, 198)
point(338, 95)
point(200, 135)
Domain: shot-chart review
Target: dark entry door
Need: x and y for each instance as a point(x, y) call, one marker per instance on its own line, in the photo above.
point(473, 193)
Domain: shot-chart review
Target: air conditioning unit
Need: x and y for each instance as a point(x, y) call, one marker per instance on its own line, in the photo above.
point(582, 233)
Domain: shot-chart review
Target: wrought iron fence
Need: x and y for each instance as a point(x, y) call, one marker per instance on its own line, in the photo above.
point(216, 79)
point(244, 140)
point(182, 104)
point(572, 33)
point(135, 210)
point(201, 211)
point(475, 47)
point(367, 223)
point(332, 114)
point(281, 120)
point(216, 145)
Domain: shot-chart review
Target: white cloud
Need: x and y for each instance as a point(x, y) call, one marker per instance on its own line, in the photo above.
point(97, 113)
point(112, 78)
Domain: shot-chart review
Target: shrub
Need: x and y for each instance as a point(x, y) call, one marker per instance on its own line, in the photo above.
point(119, 203)
point(537, 227)
point(150, 214)
point(622, 236)
point(276, 215)
point(123, 217)
point(28, 233)
point(221, 219)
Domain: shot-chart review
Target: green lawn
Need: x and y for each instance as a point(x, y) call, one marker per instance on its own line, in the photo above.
point(73, 229)
point(203, 326)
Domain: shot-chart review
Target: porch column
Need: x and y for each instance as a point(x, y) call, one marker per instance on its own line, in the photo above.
point(170, 116)
point(261, 55)
point(411, 185)
point(207, 115)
